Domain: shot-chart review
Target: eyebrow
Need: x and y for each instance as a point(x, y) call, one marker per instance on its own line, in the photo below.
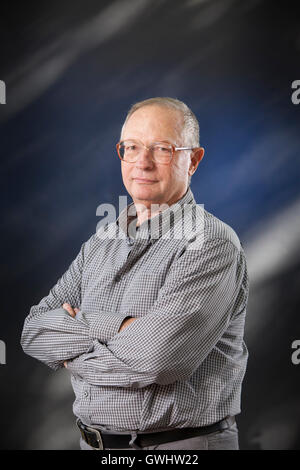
point(154, 141)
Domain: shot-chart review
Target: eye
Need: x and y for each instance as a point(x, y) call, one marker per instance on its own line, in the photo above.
point(130, 147)
point(162, 148)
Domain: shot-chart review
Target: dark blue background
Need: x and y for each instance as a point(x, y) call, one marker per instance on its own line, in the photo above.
point(72, 70)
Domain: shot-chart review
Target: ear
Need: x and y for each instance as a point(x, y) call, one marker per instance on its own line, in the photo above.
point(196, 157)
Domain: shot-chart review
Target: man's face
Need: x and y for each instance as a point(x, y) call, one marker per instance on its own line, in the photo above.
point(149, 182)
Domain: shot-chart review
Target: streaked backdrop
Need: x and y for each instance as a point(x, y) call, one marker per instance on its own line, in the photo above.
point(72, 69)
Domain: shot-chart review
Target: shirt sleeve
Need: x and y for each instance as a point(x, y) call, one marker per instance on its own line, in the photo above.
point(51, 335)
point(193, 309)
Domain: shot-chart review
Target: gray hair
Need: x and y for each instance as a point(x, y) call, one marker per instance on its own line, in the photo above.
point(191, 131)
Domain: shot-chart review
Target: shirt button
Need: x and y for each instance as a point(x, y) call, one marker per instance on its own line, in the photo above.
point(129, 241)
point(86, 394)
point(117, 277)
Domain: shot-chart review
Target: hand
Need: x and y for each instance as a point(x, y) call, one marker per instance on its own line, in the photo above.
point(126, 323)
point(71, 312)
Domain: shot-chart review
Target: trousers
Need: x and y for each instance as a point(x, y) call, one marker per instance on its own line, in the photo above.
point(219, 440)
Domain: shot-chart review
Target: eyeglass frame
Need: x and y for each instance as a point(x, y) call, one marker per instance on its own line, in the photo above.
point(174, 149)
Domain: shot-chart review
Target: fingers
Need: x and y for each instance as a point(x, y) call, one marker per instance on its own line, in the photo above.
point(69, 309)
point(65, 364)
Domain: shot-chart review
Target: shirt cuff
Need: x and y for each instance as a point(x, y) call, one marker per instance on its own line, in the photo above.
point(105, 326)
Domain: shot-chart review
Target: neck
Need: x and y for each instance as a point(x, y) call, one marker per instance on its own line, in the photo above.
point(147, 209)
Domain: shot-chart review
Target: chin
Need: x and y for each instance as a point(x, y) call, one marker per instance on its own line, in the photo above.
point(145, 194)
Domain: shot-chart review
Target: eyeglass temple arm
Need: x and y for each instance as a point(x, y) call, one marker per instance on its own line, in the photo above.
point(184, 148)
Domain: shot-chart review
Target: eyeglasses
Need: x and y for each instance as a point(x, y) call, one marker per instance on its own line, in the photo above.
point(162, 152)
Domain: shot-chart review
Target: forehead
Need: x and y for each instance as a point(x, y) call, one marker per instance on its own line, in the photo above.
point(154, 123)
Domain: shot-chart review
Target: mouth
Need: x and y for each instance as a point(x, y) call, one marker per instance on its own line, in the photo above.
point(144, 180)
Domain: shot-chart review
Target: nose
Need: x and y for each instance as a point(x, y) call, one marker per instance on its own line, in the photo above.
point(144, 160)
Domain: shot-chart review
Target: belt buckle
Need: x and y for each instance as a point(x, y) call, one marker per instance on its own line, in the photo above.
point(93, 430)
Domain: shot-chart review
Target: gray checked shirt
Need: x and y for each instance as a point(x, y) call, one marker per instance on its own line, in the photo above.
point(181, 363)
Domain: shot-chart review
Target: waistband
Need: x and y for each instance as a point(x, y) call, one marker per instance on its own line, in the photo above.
point(99, 440)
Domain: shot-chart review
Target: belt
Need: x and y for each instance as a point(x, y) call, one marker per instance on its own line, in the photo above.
point(99, 440)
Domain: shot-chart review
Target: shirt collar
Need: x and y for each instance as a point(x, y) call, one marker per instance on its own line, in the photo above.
point(158, 225)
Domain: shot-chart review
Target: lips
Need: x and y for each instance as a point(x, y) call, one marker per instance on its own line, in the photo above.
point(144, 180)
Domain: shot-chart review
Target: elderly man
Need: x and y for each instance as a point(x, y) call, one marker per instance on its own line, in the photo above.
point(149, 317)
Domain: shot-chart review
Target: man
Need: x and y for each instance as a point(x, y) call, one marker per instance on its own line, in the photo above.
point(149, 317)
